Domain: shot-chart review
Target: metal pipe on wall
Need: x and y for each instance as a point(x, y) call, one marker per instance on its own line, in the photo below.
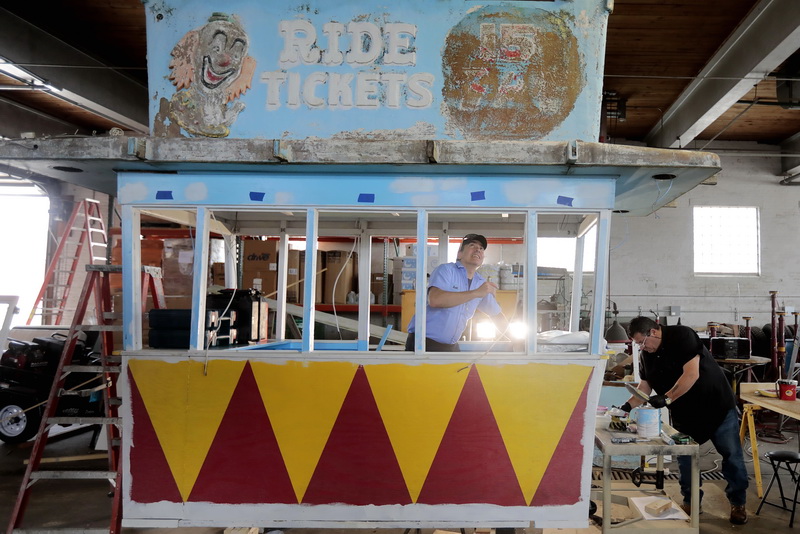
point(748, 332)
point(781, 343)
point(773, 339)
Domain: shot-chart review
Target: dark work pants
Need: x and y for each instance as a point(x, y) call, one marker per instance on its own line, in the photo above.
point(726, 440)
point(431, 345)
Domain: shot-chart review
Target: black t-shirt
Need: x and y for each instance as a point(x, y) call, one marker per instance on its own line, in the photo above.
point(699, 411)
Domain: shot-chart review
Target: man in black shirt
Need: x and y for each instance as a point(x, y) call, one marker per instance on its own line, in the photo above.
point(678, 372)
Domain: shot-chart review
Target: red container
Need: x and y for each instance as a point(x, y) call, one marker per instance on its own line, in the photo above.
point(787, 390)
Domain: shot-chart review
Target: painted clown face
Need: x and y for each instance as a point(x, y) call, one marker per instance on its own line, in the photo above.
point(221, 50)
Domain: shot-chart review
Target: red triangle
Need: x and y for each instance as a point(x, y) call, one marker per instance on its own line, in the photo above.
point(472, 463)
point(561, 482)
point(358, 465)
point(244, 463)
point(151, 477)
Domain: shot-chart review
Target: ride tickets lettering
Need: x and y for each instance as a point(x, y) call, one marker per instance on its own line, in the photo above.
point(360, 45)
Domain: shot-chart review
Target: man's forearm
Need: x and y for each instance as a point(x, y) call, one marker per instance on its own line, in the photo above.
point(439, 298)
point(691, 372)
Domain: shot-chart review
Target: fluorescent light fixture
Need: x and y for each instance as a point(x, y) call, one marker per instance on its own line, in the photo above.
point(21, 75)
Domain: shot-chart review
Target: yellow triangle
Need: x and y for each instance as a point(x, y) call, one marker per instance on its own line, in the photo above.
point(303, 400)
point(416, 403)
point(532, 404)
point(186, 408)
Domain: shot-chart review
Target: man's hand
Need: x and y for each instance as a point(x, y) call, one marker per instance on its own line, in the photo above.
point(439, 298)
point(659, 401)
point(626, 407)
point(487, 288)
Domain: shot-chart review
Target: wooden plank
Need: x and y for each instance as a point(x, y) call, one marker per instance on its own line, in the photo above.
point(77, 458)
point(350, 325)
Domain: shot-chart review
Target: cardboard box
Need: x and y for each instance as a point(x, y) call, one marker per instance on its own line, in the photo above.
point(152, 254)
point(178, 266)
point(376, 287)
point(293, 275)
point(336, 261)
point(401, 263)
point(405, 262)
point(411, 250)
point(260, 266)
point(320, 276)
point(218, 274)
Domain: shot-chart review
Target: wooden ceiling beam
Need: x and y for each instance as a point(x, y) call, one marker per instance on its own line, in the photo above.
point(71, 75)
point(768, 35)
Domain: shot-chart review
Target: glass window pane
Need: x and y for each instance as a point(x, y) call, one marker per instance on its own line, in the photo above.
point(726, 240)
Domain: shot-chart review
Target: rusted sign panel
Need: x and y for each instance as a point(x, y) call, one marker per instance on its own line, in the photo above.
point(367, 70)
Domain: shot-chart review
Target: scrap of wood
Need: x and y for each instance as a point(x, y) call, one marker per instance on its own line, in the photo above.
point(658, 507)
point(59, 459)
point(343, 322)
point(270, 295)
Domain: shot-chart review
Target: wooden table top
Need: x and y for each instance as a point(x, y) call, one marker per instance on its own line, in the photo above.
point(752, 360)
point(652, 446)
point(748, 394)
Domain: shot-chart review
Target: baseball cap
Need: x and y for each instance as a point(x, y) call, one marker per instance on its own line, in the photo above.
point(469, 238)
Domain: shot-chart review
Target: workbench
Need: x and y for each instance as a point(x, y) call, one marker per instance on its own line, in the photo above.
point(741, 366)
point(654, 447)
point(757, 402)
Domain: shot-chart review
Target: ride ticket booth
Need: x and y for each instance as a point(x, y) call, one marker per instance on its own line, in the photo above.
point(423, 121)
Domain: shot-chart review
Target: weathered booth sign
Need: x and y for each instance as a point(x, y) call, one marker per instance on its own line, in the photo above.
point(210, 70)
point(418, 70)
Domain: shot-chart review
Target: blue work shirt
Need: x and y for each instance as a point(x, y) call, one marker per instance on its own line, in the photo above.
point(446, 325)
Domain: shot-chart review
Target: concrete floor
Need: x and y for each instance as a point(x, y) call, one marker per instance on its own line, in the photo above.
point(84, 504)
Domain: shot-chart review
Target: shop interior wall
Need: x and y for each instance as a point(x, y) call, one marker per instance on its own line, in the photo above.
point(651, 260)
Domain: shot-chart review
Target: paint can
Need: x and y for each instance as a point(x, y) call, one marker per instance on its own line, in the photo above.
point(787, 389)
point(648, 422)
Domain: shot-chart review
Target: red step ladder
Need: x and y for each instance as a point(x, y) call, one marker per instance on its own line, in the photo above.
point(96, 291)
point(85, 227)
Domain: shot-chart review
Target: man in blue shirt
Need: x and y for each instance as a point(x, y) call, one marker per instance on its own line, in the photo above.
point(455, 291)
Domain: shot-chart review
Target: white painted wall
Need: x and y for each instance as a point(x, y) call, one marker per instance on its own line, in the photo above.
point(652, 258)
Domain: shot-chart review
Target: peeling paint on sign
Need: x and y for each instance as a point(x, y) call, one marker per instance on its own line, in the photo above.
point(210, 70)
point(416, 70)
point(510, 72)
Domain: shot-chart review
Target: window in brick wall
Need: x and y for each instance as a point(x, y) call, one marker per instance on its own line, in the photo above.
point(726, 240)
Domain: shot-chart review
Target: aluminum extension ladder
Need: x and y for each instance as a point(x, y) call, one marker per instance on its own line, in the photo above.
point(96, 289)
point(85, 227)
